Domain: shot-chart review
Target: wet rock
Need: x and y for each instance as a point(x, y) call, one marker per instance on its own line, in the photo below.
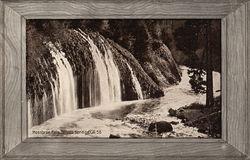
point(174, 123)
point(172, 112)
point(207, 120)
point(181, 115)
point(114, 136)
point(184, 120)
point(181, 110)
point(160, 127)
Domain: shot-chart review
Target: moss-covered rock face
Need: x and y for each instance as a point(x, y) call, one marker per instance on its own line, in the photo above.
point(149, 88)
point(151, 72)
point(77, 50)
point(161, 67)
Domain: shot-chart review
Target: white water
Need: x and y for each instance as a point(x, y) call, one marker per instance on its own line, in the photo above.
point(109, 78)
point(105, 119)
point(136, 83)
point(64, 98)
point(54, 99)
point(114, 76)
point(44, 105)
point(103, 82)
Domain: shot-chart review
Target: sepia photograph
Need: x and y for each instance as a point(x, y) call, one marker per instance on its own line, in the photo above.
point(124, 78)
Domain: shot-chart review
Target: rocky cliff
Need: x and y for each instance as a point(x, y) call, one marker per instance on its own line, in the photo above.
point(71, 67)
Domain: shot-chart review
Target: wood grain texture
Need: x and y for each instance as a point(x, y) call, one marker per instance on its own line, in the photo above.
point(228, 2)
point(236, 113)
point(1, 77)
point(236, 79)
point(24, 122)
point(123, 150)
point(124, 9)
point(123, 158)
point(12, 73)
point(248, 76)
point(126, 158)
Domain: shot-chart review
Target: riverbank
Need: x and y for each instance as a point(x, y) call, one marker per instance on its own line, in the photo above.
point(129, 119)
point(207, 120)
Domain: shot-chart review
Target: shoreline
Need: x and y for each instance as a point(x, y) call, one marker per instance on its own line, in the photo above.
point(207, 120)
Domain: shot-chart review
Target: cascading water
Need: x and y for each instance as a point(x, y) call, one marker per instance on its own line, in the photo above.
point(107, 72)
point(135, 83)
point(64, 98)
point(54, 99)
point(99, 84)
point(44, 105)
point(113, 74)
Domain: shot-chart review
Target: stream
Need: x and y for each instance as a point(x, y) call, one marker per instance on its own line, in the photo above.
point(129, 119)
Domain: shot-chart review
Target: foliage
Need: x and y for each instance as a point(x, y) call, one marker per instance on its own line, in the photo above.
point(187, 37)
point(191, 39)
point(197, 81)
point(39, 66)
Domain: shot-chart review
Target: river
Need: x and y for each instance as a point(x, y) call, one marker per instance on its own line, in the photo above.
point(128, 119)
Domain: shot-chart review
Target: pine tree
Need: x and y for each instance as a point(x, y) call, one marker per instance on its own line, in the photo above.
point(188, 39)
point(209, 67)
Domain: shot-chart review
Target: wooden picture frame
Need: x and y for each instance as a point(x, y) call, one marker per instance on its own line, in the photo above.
point(235, 141)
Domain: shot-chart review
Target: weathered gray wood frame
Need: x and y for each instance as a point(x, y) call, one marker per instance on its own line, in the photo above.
point(235, 142)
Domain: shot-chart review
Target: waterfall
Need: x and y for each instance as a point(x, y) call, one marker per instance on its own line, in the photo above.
point(64, 98)
point(44, 105)
point(54, 99)
point(113, 75)
point(97, 84)
point(107, 72)
point(135, 83)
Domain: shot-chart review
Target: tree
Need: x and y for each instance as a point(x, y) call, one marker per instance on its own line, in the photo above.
point(209, 66)
point(193, 35)
point(197, 80)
